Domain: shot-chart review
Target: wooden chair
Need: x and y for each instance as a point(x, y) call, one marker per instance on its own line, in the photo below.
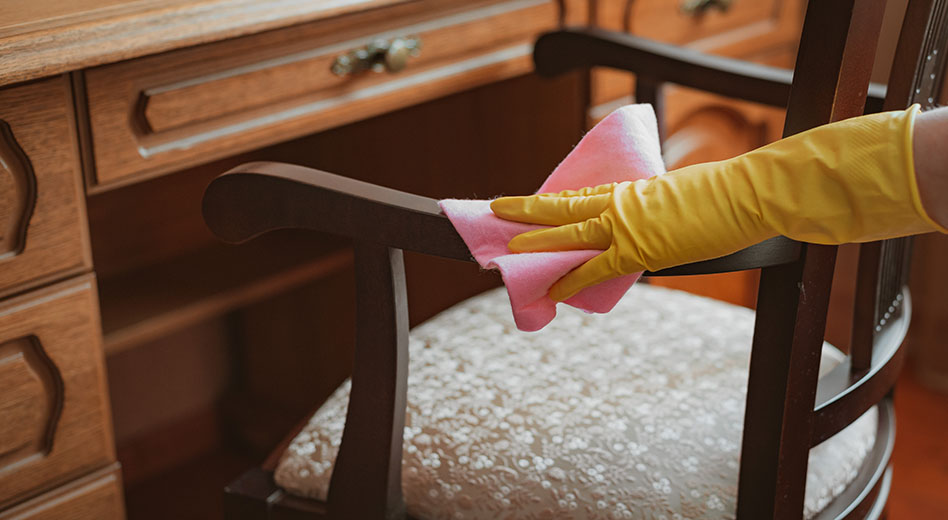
point(789, 409)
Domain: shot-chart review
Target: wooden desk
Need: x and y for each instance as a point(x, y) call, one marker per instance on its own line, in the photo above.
point(114, 114)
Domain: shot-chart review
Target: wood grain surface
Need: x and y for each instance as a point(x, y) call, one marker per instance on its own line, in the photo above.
point(56, 242)
point(18, 192)
point(62, 325)
point(289, 76)
point(97, 496)
point(47, 37)
point(31, 387)
point(203, 103)
point(147, 304)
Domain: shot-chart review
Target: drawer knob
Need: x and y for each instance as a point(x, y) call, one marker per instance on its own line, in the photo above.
point(699, 7)
point(379, 56)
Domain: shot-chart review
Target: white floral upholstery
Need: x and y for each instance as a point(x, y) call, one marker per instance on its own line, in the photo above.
point(633, 414)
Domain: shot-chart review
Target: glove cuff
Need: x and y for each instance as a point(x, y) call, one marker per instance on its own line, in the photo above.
point(909, 136)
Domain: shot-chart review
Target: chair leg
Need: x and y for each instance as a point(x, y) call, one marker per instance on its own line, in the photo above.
point(249, 497)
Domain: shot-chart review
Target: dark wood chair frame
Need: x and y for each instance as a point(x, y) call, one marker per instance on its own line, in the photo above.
point(789, 409)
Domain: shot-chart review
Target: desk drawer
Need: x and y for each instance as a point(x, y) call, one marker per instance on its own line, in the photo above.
point(682, 21)
point(744, 30)
point(160, 113)
point(43, 233)
point(54, 411)
point(95, 497)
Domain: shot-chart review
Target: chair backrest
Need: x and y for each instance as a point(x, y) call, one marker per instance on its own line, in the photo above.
point(917, 76)
point(815, 410)
point(788, 409)
point(830, 83)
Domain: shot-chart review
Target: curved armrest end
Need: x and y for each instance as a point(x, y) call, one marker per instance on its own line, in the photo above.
point(256, 198)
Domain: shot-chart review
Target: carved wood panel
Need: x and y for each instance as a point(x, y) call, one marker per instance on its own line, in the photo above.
point(17, 193)
point(55, 423)
point(31, 399)
point(43, 233)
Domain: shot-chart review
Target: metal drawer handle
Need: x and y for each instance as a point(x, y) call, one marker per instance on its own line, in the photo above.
point(379, 56)
point(699, 7)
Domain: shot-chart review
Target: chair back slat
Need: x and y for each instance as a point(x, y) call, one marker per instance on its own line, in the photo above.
point(865, 307)
point(881, 310)
point(882, 274)
point(893, 276)
point(838, 41)
point(830, 83)
point(918, 68)
point(917, 76)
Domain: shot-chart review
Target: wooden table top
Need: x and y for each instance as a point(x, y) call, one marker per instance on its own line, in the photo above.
point(44, 37)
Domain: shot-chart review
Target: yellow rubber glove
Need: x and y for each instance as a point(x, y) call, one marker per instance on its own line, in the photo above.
point(850, 181)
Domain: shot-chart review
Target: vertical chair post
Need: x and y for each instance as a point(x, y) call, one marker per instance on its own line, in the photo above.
point(839, 40)
point(917, 75)
point(864, 308)
point(785, 362)
point(366, 478)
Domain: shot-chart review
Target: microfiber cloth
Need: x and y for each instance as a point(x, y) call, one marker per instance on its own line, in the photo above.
point(622, 147)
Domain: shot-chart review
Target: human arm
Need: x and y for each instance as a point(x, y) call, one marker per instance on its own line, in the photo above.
point(930, 149)
point(851, 181)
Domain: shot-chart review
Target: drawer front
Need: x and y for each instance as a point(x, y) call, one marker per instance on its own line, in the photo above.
point(683, 21)
point(54, 411)
point(43, 233)
point(95, 497)
point(156, 114)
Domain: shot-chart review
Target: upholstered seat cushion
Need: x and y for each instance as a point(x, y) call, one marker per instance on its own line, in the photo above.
point(633, 414)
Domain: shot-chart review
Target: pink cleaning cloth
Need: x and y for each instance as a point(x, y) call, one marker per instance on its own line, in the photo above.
point(623, 146)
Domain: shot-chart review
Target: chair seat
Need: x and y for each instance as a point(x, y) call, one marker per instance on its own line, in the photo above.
point(634, 414)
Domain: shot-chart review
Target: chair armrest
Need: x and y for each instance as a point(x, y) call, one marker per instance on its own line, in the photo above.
point(770, 252)
point(258, 197)
point(560, 51)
